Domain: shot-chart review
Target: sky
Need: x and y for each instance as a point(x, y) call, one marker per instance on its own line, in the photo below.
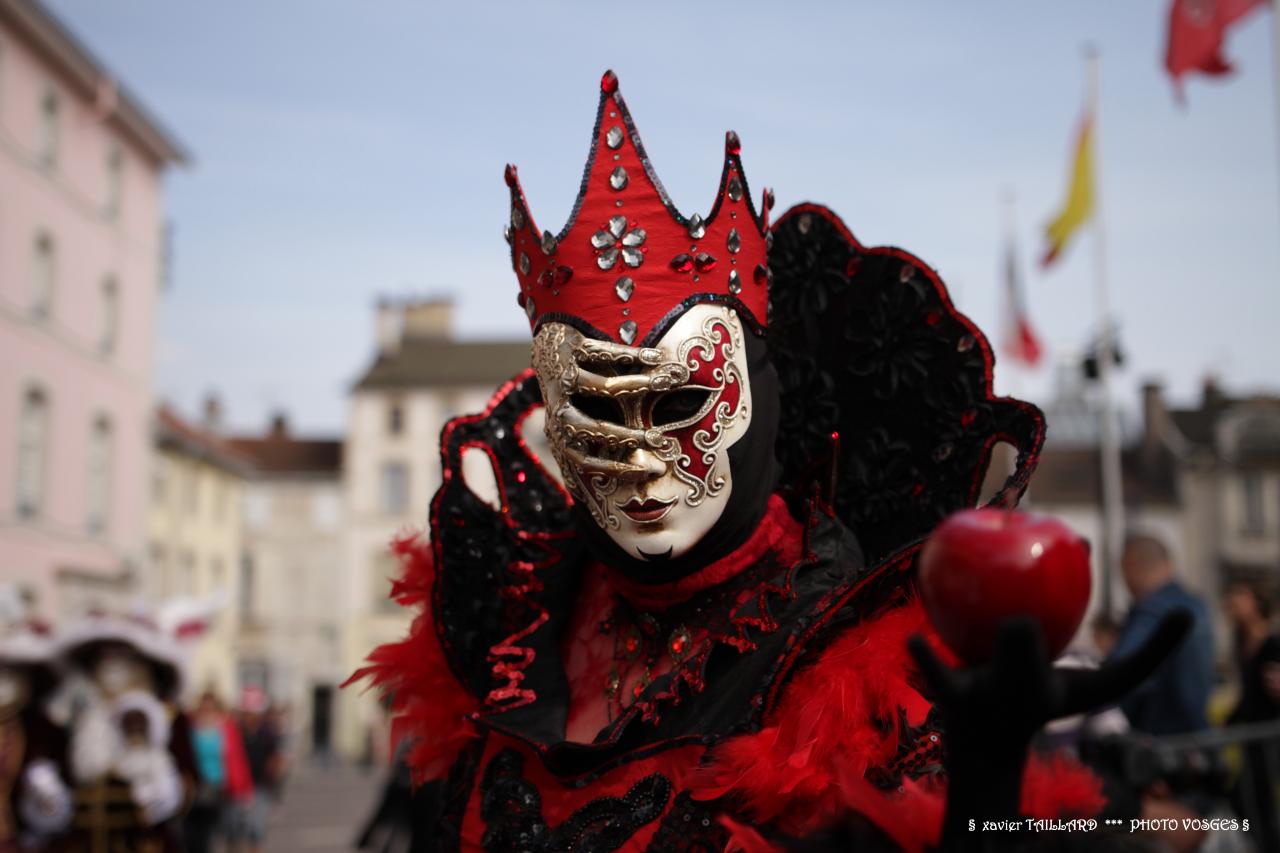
point(350, 149)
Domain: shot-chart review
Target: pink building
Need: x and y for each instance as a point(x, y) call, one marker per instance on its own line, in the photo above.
point(82, 250)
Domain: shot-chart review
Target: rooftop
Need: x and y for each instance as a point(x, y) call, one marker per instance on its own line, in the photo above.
point(85, 72)
point(442, 362)
point(176, 434)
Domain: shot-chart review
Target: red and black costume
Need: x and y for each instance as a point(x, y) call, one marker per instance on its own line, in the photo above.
point(762, 691)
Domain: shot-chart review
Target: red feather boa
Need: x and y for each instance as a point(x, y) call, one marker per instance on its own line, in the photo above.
point(837, 719)
point(429, 705)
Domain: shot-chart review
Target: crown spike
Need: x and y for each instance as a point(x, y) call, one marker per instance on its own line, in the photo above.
point(509, 175)
point(635, 261)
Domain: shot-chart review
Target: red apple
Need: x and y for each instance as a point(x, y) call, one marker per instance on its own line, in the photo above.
point(982, 566)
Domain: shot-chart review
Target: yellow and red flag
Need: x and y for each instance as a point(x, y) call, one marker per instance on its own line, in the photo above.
point(1079, 204)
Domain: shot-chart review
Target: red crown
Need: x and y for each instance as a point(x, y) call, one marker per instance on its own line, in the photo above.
point(627, 263)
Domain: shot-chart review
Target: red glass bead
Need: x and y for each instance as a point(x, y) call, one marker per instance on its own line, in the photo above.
point(521, 476)
point(761, 274)
point(704, 262)
point(967, 419)
point(563, 274)
point(682, 263)
point(609, 82)
point(732, 144)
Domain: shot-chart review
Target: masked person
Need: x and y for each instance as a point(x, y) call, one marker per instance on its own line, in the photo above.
point(679, 620)
point(131, 762)
point(36, 806)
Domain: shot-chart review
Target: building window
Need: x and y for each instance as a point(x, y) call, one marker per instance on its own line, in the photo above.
point(33, 436)
point(43, 274)
point(1255, 519)
point(395, 418)
point(245, 601)
point(159, 480)
point(110, 316)
point(186, 585)
point(115, 182)
point(395, 487)
point(98, 482)
point(47, 144)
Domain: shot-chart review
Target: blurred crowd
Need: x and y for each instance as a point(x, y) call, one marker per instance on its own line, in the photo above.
point(98, 753)
point(1192, 743)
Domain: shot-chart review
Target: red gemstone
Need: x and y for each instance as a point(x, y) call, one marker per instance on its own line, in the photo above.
point(521, 476)
point(547, 277)
point(704, 262)
point(933, 318)
point(510, 175)
point(631, 645)
point(732, 144)
point(761, 274)
point(677, 645)
point(563, 274)
point(682, 263)
point(967, 419)
point(609, 82)
point(851, 268)
point(638, 689)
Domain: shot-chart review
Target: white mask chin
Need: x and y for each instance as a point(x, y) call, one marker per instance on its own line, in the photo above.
point(663, 514)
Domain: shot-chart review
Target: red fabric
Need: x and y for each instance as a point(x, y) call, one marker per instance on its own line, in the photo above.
point(239, 780)
point(429, 704)
point(808, 765)
point(588, 292)
point(1196, 32)
point(776, 526)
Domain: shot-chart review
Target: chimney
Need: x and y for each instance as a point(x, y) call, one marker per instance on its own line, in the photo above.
point(1212, 395)
point(388, 326)
point(1155, 419)
point(212, 419)
point(428, 318)
point(279, 427)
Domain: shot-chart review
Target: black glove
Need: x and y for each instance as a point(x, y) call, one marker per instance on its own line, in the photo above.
point(991, 712)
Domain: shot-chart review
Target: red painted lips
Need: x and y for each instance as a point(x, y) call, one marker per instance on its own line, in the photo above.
point(645, 511)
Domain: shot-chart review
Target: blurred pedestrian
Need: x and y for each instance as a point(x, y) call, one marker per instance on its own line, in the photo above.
point(247, 826)
point(1257, 651)
point(35, 803)
point(223, 772)
point(130, 755)
point(1173, 700)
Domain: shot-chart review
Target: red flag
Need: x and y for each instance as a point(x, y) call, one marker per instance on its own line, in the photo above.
point(1021, 342)
point(1196, 31)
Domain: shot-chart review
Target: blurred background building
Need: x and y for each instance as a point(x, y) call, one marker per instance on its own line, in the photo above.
point(290, 576)
point(82, 265)
point(195, 542)
point(420, 377)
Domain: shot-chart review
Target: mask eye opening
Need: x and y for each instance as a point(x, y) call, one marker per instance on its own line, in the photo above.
point(676, 406)
point(603, 409)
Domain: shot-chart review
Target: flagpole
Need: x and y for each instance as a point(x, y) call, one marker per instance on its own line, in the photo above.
point(1008, 319)
point(1275, 72)
point(1109, 433)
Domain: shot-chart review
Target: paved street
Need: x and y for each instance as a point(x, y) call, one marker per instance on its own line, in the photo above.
point(323, 809)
